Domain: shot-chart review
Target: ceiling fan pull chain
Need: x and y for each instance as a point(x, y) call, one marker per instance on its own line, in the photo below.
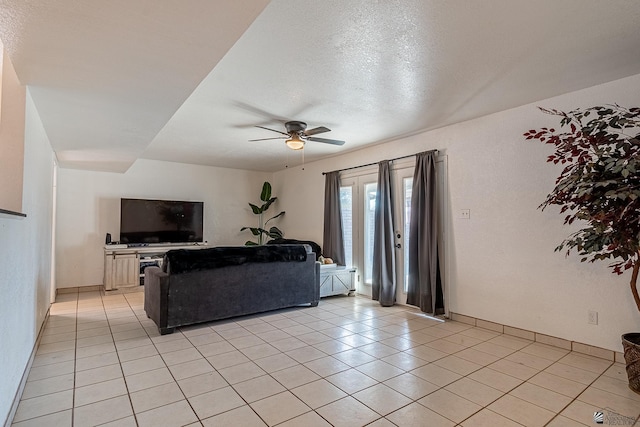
point(287, 157)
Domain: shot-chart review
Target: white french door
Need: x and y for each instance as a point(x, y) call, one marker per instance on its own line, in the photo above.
point(402, 181)
point(357, 198)
point(358, 216)
point(358, 194)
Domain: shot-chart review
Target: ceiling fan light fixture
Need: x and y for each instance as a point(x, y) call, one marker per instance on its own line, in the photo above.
point(295, 143)
point(297, 135)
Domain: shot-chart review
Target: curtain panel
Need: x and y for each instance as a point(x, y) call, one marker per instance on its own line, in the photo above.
point(384, 260)
point(332, 237)
point(424, 287)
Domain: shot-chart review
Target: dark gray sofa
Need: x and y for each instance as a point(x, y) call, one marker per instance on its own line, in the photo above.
point(197, 286)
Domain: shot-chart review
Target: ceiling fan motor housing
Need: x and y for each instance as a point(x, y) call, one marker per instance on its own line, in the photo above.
point(297, 134)
point(295, 126)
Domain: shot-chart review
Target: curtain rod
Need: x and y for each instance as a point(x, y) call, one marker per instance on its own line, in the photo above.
point(375, 163)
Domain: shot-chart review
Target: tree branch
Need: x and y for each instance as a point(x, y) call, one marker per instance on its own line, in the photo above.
point(634, 281)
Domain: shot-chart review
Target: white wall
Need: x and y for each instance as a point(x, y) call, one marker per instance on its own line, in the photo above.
point(89, 207)
point(503, 267)
point(12, 128)
point(25, 262)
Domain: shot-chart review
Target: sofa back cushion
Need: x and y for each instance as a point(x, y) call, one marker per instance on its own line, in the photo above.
point(179, 261)
point(314, 246)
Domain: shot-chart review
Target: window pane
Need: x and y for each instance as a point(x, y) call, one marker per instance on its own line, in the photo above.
point(346, 212)
point(370, 191)
point(408, 185)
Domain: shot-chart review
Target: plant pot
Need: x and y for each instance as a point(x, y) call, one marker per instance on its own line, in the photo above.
point(631, 345)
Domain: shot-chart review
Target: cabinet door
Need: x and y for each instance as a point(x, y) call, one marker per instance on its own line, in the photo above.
point(125, 271)
point(342, 282)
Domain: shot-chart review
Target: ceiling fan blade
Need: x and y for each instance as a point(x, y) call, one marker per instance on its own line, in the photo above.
point(326, 141)
point(317, 130)
point(272, 130)
point(267, 139)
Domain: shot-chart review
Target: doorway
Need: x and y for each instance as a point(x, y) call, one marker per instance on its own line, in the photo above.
point(358, 190)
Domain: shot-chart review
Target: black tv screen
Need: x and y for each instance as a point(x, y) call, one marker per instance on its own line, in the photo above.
point(160, 221)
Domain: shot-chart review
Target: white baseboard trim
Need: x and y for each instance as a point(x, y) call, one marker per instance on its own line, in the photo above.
point(76, 289)
point(25, 374)
point(603, 353)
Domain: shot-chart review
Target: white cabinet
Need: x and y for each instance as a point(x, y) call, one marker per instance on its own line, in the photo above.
point(121, 271)
point(122, 264)
point(336, 280)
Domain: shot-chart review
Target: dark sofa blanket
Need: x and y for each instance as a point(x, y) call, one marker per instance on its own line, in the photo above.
point(184, 260)
point(205, 285)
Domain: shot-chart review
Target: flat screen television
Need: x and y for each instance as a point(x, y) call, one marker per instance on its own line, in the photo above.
point(160, 221)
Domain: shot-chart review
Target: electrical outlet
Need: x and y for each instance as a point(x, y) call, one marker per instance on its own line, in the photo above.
point(465, 213)
point(592, 317)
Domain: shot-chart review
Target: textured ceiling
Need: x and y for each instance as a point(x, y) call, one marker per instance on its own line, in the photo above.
point(120, 80)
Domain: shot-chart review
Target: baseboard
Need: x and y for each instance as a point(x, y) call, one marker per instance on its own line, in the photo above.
point(25, 374)
point(125, 290)
point(602, 353)
point(76, 289)
point(99, 288)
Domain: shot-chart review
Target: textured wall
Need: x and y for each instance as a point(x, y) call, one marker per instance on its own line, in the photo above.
point(12, 128)
point(25, 262)
point(502, 264)
point(89, 207)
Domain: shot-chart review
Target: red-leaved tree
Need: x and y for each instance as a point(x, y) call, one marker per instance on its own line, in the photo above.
point(600, 183)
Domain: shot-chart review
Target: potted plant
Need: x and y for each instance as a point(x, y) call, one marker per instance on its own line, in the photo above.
point(260, 231)
point(600, 186)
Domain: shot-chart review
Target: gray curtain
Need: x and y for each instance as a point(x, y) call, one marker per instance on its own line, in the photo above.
point(425, 287)
point(384, 257)
point(332, 239)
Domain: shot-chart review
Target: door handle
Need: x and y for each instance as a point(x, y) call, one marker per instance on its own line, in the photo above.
point(398, 245)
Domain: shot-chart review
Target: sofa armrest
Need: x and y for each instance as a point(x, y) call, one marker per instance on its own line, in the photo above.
point(317, 285)
point(156, 293)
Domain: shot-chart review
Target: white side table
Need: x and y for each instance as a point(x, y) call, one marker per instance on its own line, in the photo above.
point(337, 280)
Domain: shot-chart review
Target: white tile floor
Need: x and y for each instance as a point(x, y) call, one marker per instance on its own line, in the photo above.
point(347, 362)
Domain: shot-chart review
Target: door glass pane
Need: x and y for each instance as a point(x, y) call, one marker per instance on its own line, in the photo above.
point(370, 191)
point(408, 185)
point(346, 212)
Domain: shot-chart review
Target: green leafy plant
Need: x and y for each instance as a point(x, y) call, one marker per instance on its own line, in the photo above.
point(260, 231)
point(600, 184)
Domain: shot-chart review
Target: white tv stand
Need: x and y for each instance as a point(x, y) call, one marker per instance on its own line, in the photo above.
point(122, 264)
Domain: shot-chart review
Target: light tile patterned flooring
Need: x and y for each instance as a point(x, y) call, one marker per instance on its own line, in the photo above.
point(347, 362)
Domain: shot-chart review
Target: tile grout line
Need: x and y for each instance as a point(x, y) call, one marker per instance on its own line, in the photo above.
point(487, 366)
point(453, 333)
point(222, 376)
point(124, 378)
point(580, 394)
point(465, 376)
point(275, 379)
point(340, 324)
point(266, 374)
point(525, 381)
point(350, 367)
point(75, 359)
point(315, 410)
point(216, 371)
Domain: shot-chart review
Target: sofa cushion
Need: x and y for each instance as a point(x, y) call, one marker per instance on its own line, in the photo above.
point(314, 246)
point(184, 260)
